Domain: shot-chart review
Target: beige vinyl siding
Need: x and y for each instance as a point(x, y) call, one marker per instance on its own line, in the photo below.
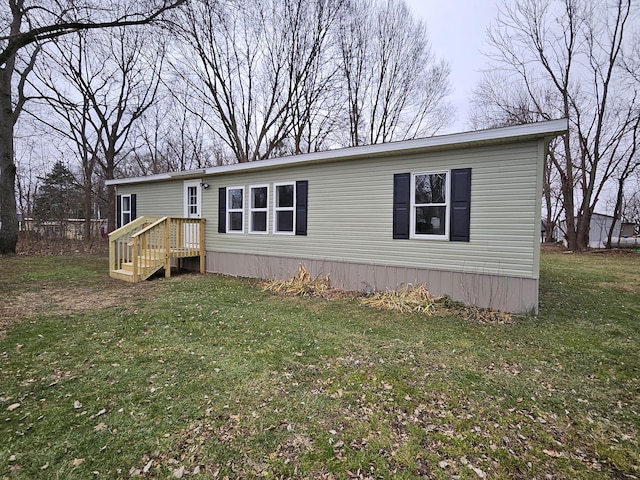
point(350, 208)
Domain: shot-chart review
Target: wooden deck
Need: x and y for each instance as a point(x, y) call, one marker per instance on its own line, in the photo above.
point(146, 245)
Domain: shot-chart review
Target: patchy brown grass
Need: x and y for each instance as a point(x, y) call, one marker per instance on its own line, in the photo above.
point(36, 290)
point(61, 301)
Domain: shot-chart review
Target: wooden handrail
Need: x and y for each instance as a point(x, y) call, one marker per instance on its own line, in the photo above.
point(129, 227)
point(115, 247)
point(150, 227)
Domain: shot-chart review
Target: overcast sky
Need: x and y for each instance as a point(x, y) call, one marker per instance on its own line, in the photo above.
point(457, 32)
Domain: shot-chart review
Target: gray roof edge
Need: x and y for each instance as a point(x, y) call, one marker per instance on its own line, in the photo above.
point(546, 129)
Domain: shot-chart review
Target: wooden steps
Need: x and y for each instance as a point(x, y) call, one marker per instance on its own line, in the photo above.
point(121, 274)
point(145, 246)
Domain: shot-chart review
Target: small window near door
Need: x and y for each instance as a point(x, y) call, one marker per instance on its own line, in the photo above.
point(235, 210)
point(125, 209)
point(125, 214)
point(192, 201)
point(258, 208)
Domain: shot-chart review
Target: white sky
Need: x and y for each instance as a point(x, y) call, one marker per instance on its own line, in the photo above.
point(457, 32)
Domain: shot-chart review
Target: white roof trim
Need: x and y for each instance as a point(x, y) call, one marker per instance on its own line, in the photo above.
point(550, 128)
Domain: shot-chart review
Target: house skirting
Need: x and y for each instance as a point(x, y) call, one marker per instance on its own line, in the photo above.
point(507, 293)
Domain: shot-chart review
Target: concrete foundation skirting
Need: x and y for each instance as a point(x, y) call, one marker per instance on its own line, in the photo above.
point(511, 294)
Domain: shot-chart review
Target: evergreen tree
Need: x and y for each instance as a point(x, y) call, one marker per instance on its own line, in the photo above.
point(59, 198)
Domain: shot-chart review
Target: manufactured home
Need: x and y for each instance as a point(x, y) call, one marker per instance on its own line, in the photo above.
point(459, 213)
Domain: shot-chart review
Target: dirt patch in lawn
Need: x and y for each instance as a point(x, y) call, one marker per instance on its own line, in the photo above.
point(53, 300)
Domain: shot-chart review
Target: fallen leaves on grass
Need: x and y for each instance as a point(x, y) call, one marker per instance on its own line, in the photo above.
point(552, 453)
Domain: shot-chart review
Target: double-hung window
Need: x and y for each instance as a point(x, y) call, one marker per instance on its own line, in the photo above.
point(125, 209)
point(258, 208)
point(235, 209)
point(430, 205)
point(125, 212)
point(284, 208)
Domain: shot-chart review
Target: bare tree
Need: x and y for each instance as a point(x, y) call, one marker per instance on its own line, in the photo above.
point(631, 206)
point(25, 26)
point(248, 62)
point(395, 87)
point(31, 165)
point(566, 54)
point(316, 97)
point(61, 85)
point(100, 84)
point(170, 138)
point(499, 101)
point(627, 166)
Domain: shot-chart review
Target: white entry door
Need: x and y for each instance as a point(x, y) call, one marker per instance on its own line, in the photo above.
point(192, 209)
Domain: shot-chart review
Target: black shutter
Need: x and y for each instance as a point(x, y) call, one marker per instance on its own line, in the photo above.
point(302, 187)
point(401, 205)
point(460, 205)
point(133, 207)
point(118, 211)
point(222, 210)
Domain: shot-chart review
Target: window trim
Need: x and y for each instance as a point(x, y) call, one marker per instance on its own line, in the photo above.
point(230, 210)
point(446, 204)
point(253, 210)
point(277, 209)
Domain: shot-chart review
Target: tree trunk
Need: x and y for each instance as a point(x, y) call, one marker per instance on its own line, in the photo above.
point(88, 203)
point(8, 211)
point(617, 212)
point(567, 196)
point(546, 193)
point(111, 196)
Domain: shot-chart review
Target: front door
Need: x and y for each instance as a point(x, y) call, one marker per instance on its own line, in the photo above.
point(192, 209)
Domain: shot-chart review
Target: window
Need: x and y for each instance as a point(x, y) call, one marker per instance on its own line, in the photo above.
point(192, 201)
point(289, 208)
point(284, 208)
point(258, 208)
point(125, 213)
point(430, 205)
point(125, 209)
point(235, 209)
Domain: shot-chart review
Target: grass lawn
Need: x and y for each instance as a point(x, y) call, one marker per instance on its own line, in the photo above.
point(211, 377)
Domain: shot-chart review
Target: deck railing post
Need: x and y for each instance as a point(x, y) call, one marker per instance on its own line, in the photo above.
point(201, 245)
point(112, 255)
point(135, 258)
point(167, 248)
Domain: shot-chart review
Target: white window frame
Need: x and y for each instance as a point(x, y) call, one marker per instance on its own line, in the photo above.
point(446, 204)
point(123, 211)
point(277, 209)
point(234, 210)
point(253, 210)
